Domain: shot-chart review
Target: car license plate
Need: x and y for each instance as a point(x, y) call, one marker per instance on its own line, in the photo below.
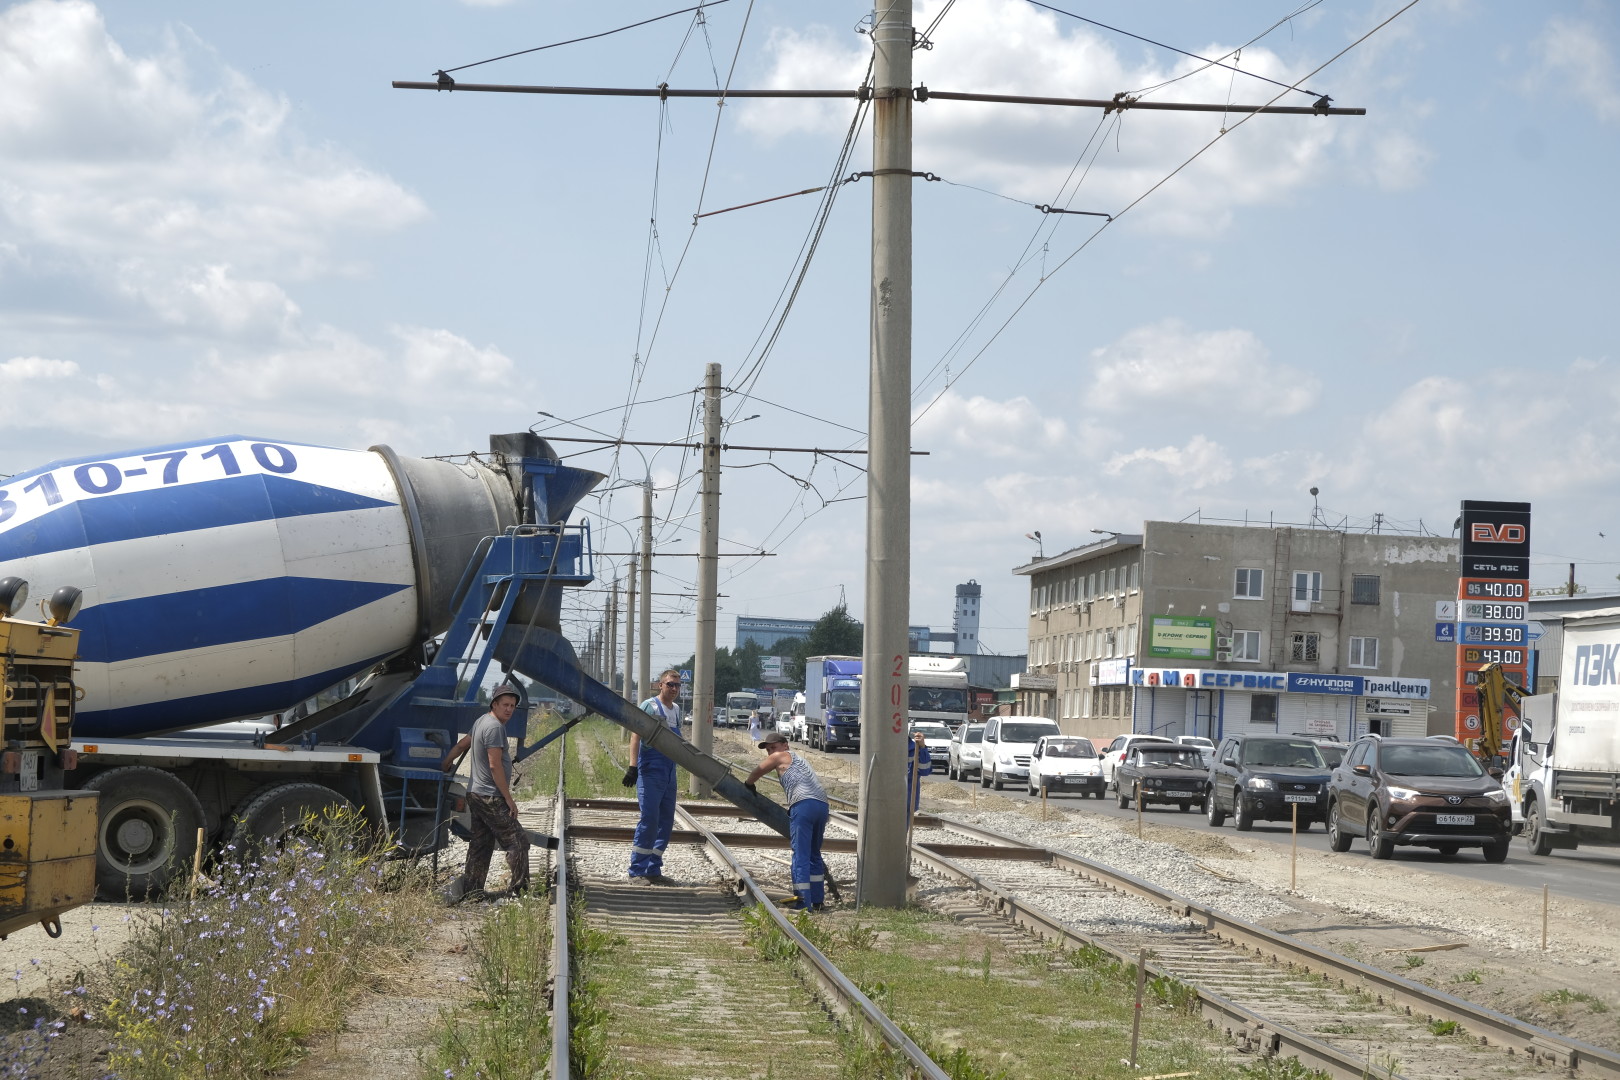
point(1179, 795)
point(1454, 819)
point(1299, 798)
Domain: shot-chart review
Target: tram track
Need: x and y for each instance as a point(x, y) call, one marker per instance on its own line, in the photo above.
point(690, 937)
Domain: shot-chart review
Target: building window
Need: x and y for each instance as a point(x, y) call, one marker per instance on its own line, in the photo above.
point(1304, 647)
point(1113, 578)
point(1250, 584)
point(1136, 574)
point(1246, 646)
point(1091, 586)
point(1364, 651)
point(1307, 586)
point(1263, 709)
point(1364, 589)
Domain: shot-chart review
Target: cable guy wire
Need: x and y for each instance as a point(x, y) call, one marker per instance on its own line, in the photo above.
point(587, 37)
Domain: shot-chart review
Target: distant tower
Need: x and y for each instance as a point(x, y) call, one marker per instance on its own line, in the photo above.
point(966, 620)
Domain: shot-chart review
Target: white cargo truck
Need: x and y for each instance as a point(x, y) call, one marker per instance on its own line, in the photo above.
point(1567, 751)
point(939, 690)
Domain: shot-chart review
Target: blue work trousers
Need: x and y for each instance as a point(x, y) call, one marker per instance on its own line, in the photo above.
point(807, 822)
point(655, 792)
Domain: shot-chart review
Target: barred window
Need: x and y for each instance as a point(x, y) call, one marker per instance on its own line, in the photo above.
point(1304, 647)
point(1364, 589)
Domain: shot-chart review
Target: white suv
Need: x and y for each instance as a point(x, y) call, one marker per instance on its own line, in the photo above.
point(964, 752)
point(1120, 749)
point(1009, 742)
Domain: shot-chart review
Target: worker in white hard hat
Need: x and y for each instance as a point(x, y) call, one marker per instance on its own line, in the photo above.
point(489, 797)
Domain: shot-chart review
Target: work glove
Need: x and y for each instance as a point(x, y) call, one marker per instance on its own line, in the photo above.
point(751, 787)
point(630, 776)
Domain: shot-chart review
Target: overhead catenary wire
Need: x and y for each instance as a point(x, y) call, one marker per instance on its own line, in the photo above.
point(1221, 134)
point(588, 37)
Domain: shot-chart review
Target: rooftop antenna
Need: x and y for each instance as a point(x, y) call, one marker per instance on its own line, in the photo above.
point(1040, 551)
point(1316, 509)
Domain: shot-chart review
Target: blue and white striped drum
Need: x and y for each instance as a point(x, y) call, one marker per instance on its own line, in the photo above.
point(234, 577)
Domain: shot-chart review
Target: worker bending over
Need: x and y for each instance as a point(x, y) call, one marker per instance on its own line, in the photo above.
point(807, 818)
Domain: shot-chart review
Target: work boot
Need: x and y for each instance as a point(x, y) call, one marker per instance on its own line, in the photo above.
point(637, 879)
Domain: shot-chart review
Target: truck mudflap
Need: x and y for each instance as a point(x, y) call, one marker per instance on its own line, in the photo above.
point(548, 657)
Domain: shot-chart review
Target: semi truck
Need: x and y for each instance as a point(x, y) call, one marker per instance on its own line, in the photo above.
point(939, 690)
point(1566, 752)
point(832, 702)
point(233, 578)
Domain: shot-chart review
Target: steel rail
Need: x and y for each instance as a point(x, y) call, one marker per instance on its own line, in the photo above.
point(1491, 1027)
point(561, 982)
point(1241, 1024)
point(832, 981)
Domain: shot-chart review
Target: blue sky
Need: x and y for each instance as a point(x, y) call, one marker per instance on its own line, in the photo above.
point(217, 218)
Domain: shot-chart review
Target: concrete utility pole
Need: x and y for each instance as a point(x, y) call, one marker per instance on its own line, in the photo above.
point(645, 681)
point(613, 635)
point(883, 857)
point(708, 577)
point(630, 634)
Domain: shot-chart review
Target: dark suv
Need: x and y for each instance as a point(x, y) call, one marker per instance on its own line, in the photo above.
point(1419, 792)
point(1263, 777)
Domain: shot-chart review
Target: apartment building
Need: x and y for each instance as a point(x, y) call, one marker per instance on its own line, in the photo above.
point(1205, 629)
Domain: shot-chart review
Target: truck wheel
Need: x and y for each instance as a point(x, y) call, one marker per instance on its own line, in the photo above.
point(275, 813)
point(146, 833)
point(1124, 799)
point(1212, 810)
point(1535, 837)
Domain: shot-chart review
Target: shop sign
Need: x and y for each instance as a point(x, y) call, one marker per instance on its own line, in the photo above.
point(1115, 672)
point(1299, 683)
point(1181, 637)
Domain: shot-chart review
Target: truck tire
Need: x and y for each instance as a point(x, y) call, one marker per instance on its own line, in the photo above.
point(146, 831)
point(1212, 809)
point(272, 814)
point(1536, 838)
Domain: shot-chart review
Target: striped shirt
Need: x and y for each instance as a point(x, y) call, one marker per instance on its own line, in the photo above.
point(800, 783)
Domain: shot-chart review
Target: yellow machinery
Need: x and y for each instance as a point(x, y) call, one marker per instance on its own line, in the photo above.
point(47, 833)
point(1496, 697)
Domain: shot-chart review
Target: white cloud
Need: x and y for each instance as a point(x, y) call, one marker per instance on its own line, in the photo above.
point(1575, 54)
point(1200, 464)
point(1166, 362)
point(24, 368)
point(435, 358)
point(145, 177)
point(1028, 151)
point(1000, 429)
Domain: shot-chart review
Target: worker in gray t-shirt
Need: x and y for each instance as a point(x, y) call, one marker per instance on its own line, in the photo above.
point(489, 796)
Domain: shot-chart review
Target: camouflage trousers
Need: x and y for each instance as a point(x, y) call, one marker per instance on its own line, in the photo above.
point(493, 823)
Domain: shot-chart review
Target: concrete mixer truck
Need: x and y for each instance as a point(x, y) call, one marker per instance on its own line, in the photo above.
point(234, 578)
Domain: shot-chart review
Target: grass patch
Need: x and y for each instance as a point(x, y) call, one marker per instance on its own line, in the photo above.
point(503, 1032)
point(1472, 975)
point(231, 980)
point(984, 1009)
point(1570, 997)
point(592, 773)
point(1443, 1027)
point(1414, 960)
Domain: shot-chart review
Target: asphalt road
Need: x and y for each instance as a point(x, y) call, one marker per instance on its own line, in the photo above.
point(1591, 874)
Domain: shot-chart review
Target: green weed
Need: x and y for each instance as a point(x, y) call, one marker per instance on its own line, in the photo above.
point(1570, 997)
point(1414, 960)
point(1443, 1027)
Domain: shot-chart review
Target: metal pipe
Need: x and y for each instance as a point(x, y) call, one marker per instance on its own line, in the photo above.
point(630, 634)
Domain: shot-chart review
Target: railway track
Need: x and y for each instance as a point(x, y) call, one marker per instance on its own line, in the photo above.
point(705, 995)
point(1264, 989)
point(1268, 993)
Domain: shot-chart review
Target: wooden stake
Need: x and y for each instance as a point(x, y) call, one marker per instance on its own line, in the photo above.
point(1141, 982)
point(196, 869)
point(1545, 903)
point(1293, 854)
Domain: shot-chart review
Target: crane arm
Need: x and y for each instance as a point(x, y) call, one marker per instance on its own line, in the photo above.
point(1496, 696)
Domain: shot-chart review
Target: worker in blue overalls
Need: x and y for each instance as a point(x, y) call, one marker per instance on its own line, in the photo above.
point(653, 776)
point(919, 762)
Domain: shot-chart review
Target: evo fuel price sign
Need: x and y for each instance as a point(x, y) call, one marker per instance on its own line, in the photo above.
point(1492, 633)
point(1473, 611)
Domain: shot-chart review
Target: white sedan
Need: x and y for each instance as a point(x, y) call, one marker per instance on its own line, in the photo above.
point(936, 736)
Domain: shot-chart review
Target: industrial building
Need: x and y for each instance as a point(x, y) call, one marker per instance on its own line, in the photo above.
point(1209, 629)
